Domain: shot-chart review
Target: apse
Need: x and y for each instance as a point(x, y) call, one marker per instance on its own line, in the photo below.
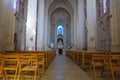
point(60, 21)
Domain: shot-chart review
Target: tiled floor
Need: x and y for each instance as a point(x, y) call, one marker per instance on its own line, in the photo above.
point(62, 68)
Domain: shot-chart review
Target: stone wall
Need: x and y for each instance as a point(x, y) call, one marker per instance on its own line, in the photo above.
point(104, 33)
point(115, 24)
point(7, 24)
point(91, 24)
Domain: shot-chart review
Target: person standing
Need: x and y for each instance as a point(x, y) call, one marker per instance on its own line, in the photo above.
point(60, 47)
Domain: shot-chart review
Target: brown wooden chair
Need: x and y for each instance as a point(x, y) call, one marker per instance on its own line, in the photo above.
point(98, 63)
point(79, 58)
point(86, 59)
point(1, 66)
point(10, 66)
point(113, 66)
point(28, 64)
point(41, 62)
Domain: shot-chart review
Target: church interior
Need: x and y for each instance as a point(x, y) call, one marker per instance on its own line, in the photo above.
point(59, 40)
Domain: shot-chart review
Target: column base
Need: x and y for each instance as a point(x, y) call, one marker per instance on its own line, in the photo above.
point(10, 47)
point(116, 48)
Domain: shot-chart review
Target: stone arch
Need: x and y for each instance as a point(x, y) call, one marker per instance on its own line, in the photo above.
point(60, 16)
point(51, 7)
point(54, 4)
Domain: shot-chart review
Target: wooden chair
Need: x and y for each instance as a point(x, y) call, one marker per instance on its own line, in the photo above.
point(79, 58)
point(86, 59)
point(113, 66)
point(98, 63)
point(1, 66)
point(41, 62)
point(10, 64)
point(28, 64)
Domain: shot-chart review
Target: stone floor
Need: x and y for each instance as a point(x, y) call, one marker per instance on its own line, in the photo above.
point(62, 68)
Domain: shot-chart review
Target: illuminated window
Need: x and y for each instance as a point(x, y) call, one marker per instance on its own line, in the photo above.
point(19, 6)
point(60, 30)
point(15, 6)
point(105, 5)
point(102, 7)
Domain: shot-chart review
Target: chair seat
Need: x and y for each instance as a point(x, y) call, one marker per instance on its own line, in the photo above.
point(11, 67)
point(0, 70)
point(98, 64)
point(116, 68)
point(41, 62)
point(29, 68)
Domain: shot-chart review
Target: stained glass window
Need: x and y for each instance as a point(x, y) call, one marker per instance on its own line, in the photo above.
point(60, 30)
point(19, 6)
point(105, 5)
point(15, 6)
point(102, 7)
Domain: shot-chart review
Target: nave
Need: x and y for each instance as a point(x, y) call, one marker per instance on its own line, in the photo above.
point(89, 66)
point(62, 68)
point(47, 65)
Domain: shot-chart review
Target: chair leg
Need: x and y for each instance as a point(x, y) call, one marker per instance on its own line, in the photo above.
point(38, 73)
point(94, 72)
point(107, 75)
point(35, 74)
point(6, 77)
point(42, 69)
point(113, 76)
point(22, 76)
point(19, 75)
point(15, 77)
point(91, 69)
point(3, 76)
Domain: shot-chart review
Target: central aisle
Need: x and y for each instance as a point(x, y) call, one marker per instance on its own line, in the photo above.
point(62, 68)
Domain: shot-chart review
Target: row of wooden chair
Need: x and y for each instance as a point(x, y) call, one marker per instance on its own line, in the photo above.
point(48, 55)
point(98, 62)
point(22, 63)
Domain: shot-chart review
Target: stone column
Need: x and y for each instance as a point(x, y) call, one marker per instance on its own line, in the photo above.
point(40, 25)
point(91, 24)
point(11, 28)
point(1, 27)
point(115, 24)
point(81, 27)
point(46, 41)
point(31, 25)
point(74, 25)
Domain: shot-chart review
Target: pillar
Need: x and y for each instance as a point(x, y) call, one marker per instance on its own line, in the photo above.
point(81, 27)
point(40, 25)
point(115, 24)
point(31, 25)
point(91, 24)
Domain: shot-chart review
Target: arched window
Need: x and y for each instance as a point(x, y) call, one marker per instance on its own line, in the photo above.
point(105, 6)
point(60, 30)
point(102, 7)
point(19, 6)
point(14, 6)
